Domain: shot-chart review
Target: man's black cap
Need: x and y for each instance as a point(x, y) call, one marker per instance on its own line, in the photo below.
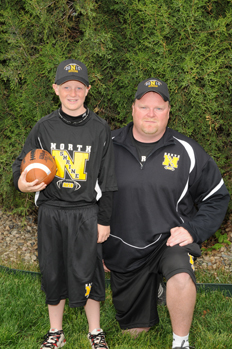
point(71, 69)
point(154, 85)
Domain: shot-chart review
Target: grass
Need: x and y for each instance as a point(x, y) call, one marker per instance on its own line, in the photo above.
point(24, 318)
point(213, 276)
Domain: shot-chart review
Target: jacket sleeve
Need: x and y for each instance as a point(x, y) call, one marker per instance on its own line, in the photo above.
point(107, 178)
point(211, 197)
point(105, 208)
point(32, 142)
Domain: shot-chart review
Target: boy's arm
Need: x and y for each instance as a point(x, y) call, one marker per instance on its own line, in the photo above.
point(104, 215)
point(103, 233)
point(29, 187)
point(33, 141)
point(105, 208)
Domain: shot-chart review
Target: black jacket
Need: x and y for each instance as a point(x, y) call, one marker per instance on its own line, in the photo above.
point(84, 158)
point(178, 185)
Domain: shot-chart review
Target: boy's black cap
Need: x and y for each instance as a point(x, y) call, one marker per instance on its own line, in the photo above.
point(155, 85)
point(71, 69)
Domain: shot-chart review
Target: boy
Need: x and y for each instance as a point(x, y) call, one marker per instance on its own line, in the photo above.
point(70, 222)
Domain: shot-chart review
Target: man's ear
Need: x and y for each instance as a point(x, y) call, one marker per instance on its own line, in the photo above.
point(132, 108)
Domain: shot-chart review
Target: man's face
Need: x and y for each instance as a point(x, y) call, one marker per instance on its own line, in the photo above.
point(150, 116)
point(72, 96)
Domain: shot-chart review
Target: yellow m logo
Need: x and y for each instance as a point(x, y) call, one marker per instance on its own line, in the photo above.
point(87, 290)
point(73, 68)
point(75, 167)
point(191, 261)
point(170, 161)
point(153, 83)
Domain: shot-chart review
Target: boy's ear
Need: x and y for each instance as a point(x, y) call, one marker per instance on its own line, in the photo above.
point(87, 90)
point(56, 89)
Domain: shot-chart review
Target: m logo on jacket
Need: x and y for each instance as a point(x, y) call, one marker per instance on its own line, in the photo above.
point(170, 161)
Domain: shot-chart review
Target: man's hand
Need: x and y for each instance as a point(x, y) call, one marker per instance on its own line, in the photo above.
point(103, 233)
point(105, 267)
point(29, 187)
point(179, 236)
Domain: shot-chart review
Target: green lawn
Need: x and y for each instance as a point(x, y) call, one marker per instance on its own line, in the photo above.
point(24, 319)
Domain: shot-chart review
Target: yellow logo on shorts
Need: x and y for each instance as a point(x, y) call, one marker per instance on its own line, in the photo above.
point(191, 261)
point(87, 290)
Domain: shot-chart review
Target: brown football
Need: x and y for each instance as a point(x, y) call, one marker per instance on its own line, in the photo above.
point(40, 165)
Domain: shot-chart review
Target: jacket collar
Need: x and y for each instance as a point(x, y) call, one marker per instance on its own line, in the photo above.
point(121, 136)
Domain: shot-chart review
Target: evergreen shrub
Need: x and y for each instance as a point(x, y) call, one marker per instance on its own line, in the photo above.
point(185, 43)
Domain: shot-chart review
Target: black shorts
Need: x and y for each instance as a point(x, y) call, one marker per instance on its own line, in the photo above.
point(135, 292)
point(70, 259)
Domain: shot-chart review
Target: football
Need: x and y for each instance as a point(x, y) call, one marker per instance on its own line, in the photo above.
point(40, 165)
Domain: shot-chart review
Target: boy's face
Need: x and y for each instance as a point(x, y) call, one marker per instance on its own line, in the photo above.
point(72, 95)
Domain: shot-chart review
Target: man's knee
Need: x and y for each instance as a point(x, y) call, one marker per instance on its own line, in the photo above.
point(180, 281)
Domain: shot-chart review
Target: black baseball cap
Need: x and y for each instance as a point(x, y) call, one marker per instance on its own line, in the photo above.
point(71, 69)
point(154, 85)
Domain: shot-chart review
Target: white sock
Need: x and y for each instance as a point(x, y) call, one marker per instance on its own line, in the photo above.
point(178, 341)
point(96, 331)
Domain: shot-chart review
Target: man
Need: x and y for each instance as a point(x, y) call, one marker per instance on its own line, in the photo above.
point(170, 199)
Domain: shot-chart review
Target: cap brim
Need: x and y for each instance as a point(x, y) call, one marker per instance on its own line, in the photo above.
point(72, 77)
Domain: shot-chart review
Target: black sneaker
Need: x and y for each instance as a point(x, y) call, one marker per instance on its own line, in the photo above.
point(53, 339)
point(97, 339)
point(162, 293)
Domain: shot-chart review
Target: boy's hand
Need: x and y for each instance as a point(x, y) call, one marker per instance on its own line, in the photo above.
point(29, 187)
point(103, 233)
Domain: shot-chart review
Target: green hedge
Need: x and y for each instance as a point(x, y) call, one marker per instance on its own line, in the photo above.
point(185, 43)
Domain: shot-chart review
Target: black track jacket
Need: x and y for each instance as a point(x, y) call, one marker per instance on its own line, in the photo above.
point(178, 185)
point(84, 159)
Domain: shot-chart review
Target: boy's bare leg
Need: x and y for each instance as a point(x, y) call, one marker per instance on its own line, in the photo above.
point(56, 315)
point(92, 310)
